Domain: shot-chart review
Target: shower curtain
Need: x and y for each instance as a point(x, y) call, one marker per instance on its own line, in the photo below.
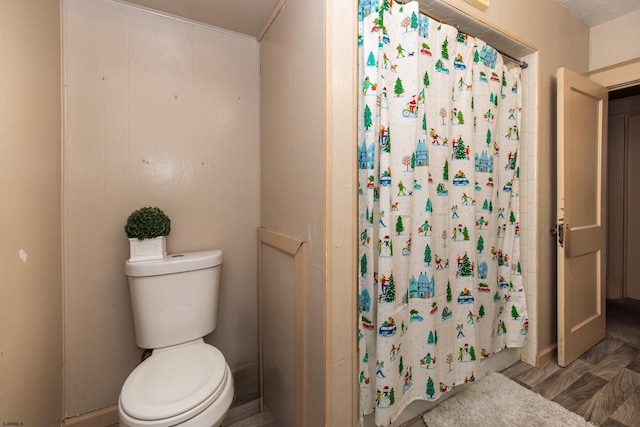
point(440, 284)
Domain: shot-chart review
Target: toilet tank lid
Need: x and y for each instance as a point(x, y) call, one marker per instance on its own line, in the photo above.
point(175, 263)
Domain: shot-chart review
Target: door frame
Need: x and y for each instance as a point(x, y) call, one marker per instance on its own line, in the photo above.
point(613, 77)
point(617, 76)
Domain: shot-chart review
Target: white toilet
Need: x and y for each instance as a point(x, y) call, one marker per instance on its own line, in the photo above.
point(185, 382)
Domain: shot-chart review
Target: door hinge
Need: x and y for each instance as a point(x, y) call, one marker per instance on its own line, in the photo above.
point(558, 230)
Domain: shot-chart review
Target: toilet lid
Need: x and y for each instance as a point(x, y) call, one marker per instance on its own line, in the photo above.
point(173, 381)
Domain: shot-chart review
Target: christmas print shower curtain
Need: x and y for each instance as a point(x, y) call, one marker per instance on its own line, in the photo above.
point(440, 286)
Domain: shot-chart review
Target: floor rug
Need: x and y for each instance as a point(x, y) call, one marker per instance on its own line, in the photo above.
point(496, 401)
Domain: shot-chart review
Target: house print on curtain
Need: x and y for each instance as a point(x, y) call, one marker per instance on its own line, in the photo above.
point(440, 286)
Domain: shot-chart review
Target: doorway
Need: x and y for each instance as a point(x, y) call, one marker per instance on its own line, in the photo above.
point(623, 290)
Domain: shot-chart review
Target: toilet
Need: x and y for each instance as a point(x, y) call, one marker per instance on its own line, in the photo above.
point(185, 382)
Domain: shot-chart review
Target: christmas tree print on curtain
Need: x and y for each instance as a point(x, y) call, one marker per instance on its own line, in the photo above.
point(440, 286)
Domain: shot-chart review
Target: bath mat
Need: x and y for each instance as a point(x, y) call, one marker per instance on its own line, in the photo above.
point(497, 401)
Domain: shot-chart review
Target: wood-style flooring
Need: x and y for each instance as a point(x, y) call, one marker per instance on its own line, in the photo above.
point(603, 385)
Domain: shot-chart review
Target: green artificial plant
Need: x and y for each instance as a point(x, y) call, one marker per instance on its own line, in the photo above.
point(147, 223)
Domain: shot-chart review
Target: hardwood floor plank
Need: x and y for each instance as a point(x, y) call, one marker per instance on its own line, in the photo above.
point(611, 365)
point(559, 381)
point(601, 350)
point(629, 412)
point(613, 423)
point(530, 376)
point(634, 365)
point(575, 396)
point(607, 400)
point(517, 370)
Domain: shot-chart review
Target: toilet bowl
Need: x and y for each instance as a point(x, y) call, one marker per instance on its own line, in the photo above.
point(188, 386)
point(185, 382)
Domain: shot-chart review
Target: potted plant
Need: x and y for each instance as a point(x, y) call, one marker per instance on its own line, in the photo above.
point(146, 229)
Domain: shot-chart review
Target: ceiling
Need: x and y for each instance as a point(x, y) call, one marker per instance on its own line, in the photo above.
point(249, 16)
point(242, 16)
point(596, 12)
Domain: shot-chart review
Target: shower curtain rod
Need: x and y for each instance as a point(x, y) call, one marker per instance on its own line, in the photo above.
point(521, 64)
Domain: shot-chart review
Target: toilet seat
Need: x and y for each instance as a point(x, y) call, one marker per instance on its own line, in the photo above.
point(174, 383)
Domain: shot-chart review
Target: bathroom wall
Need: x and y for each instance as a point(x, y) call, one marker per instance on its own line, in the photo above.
point(30, 238)
point(292, 90)
point(160, 112)
point(615, 41)
point(341, 226)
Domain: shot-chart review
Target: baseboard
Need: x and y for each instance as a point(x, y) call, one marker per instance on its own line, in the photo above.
point(101, 418)
point(546, 355)
point(245, 380)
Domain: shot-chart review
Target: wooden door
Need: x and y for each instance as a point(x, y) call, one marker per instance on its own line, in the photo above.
point(581, 184)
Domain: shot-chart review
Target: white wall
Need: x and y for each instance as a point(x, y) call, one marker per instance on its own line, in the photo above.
point(615, 41)
point(159, 112)
point(30, 238)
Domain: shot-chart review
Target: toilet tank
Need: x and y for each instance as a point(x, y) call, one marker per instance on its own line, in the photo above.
point(174, 299)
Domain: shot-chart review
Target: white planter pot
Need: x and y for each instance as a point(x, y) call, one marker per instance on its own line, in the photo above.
point(147, 249)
